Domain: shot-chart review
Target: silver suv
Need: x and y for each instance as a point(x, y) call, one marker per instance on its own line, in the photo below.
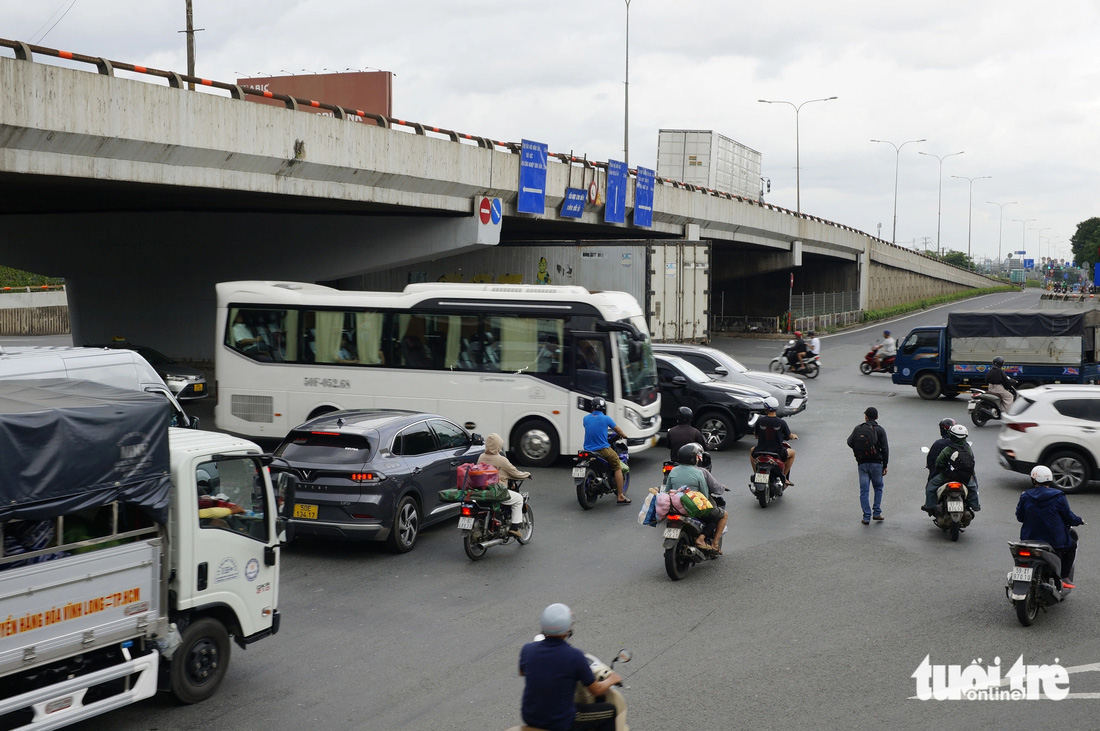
point(1057, 426)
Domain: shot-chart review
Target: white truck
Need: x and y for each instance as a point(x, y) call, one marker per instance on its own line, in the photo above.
point(132, 552)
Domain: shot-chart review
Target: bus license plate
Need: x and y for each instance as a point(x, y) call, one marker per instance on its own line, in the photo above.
point(954, 506)
point(971, 406)
point(465, 523)
point(579, 471)
point(1022, 573)
point(672, 533)
point(305, 511)
point(762, 477)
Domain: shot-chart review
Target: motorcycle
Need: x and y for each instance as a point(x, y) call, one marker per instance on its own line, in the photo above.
point(600, 670)
point(768, 482)
point(1035, 581)
point(984, 406)
point(484, 524)
point(593, 475)
point(952, 515)
point(788, 361)
point(680, 536)
point(870, 365)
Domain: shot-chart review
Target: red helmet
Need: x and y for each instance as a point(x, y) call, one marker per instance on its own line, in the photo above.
point(798, 333)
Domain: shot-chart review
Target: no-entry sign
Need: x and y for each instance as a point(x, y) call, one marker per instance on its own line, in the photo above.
point(485, 210)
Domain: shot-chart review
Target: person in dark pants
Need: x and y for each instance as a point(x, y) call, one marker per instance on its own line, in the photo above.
point(552, 668)
point(872, 453)
point(1045, 514)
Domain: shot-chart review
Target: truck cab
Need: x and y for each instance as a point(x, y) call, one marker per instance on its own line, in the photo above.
point(922, 360)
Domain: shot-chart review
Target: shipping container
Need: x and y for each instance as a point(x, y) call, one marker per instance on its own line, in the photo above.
point(710, 160)
point(670, 279)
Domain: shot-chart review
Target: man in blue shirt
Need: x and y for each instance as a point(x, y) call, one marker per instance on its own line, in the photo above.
point(553, 668)
point(596, 425)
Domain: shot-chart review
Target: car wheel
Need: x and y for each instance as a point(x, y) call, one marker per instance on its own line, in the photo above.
point(1071, 470)
point(535, 443)
point(200, 662)
point(718, 430)
point(929, 387)
point(406, 525)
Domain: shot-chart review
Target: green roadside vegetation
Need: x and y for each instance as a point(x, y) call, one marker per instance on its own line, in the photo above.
point(923, 304)
point(16, 278)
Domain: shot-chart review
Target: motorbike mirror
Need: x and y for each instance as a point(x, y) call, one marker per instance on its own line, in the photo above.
point(926, 450)
point(624, 655)
point(753, 419)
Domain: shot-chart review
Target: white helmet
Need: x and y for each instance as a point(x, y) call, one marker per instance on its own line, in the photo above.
point(959, 431)
point(772, 403)
point(1042, 474)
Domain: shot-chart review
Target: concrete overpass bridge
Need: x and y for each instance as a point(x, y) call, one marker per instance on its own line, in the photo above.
point(143, 194)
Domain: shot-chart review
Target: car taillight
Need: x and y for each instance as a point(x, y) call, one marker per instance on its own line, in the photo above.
point(1021, 426)
point(365, 476)
point(362, 516)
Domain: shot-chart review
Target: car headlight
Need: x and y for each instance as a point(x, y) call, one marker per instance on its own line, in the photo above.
point(171, 377)
point(634, 418)
point(785, 386)
point(753, 403)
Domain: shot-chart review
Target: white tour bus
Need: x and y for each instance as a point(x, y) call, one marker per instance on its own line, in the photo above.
point(522, 361)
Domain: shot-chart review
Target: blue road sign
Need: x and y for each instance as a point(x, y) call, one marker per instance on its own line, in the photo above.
point(532, 178)
point(1029, 263)
point(643, 197)
point(573, 205)
point(615, 210)
point(495, 211)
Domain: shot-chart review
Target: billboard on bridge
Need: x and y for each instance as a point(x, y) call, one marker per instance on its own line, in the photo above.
point(369, 91)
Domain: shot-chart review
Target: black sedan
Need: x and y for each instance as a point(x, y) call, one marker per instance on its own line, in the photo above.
point(374, 475)
point(721, 410)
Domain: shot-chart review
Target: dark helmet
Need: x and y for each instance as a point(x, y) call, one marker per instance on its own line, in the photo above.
point(689, 454)
point(598, 404)
point(945, 426)
point(684, 414)
point(998, 361)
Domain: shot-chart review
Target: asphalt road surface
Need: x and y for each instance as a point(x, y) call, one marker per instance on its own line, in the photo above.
point(810, 620)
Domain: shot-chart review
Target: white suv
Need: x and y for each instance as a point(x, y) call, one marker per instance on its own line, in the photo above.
point(1057, 426)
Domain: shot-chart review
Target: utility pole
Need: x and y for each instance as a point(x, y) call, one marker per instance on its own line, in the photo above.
point(191, 30)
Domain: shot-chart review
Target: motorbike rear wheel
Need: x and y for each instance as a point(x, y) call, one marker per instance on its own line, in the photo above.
point(955, 531)
point(776, 366)
point(979, 416)
point(471, 544)
point(812, 369)
point(676, 566)
point(587, 491)
point(1028, 608)
point(866, 368)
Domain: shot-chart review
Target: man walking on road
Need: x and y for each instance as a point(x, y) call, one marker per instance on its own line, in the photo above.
point(872, 453)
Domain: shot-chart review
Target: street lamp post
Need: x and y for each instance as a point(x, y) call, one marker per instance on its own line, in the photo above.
point(1000, 227)
point(626, 95)
point(939, 204)
point(897, 162)
point(797, 162)
point(1023, 231)
point(1039, 238)
point(970, 209)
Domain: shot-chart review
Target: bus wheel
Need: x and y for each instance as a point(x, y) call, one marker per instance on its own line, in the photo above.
point(535, 443)
point(321, 411)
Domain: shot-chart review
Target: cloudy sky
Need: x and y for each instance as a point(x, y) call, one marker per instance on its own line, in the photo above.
point(1012, 84)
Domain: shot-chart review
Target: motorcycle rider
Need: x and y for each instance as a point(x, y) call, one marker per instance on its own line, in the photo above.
point(938, 445)
point(957, 435)
point(596, 424)
point(771, 431)
point(552, 668)
point(494, 457)
point(683, 433)
point(815, 343)
point(687, 475)
point(799, 349)
point(999, 383)
point(1045, 514)
point(888, 348)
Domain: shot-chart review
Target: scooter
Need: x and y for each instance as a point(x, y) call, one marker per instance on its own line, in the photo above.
point(1035, 581)
point(951, 514)
point(788, 361)
point(768, 482)
point(484, 524)
point(870, 365)
point(984, 406)
point(600, 670)
point(592, 474)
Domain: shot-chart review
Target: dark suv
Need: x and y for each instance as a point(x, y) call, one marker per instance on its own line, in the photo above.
point(374, 475)
point(721, 410)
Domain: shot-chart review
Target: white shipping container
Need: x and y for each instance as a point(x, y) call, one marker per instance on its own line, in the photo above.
point(708, 159)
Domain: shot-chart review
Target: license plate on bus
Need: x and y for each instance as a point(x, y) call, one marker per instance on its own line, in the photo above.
point(672, 533)
point(465, 523)
point(761, 477)
point(1022, 573)
point(579, 471)
point(305, 511)
point(954, 506)
point(971, 406)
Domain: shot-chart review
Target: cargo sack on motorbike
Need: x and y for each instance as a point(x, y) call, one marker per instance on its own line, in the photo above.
point(694, 503)
point(865, 441)
point(960, 466)
point(476, 475)
point(648, 514)
point(489, 493)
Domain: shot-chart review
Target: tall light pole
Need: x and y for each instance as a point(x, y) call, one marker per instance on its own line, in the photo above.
point(1023, 231)
point(626, 95)
point(970, 209)
point(939, 204)
point(1039, 238)
point(897, 162)
point(797, 162)
point(1000, 227)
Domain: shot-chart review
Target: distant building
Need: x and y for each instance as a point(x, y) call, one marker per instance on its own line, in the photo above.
point(368, 91)
point(709, 160)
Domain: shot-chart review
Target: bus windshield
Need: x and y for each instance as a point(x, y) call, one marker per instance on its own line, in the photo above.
point(637, 369)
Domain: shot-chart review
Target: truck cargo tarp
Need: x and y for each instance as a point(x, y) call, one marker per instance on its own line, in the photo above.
point(67, 445)
point(1022, 323)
